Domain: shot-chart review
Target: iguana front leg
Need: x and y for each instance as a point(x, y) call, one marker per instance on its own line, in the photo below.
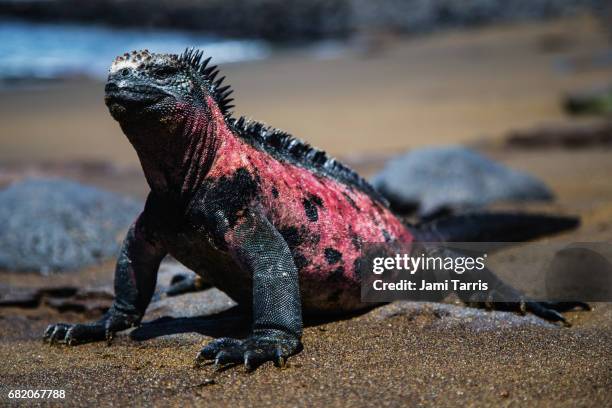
point(277, 314)
point(135, 278)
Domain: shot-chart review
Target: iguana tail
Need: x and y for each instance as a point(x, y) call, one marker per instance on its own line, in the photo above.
point(493, 227)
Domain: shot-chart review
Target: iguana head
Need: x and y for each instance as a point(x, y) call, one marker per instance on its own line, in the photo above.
point(149, 89)
point(169, 107)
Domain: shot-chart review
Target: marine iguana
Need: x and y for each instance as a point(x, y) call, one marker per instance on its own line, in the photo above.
point(266, 218)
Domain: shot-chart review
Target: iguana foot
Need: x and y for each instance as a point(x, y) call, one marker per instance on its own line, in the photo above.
point(260, 347)
point(550, 310)
point(103, 329)
point(546, 310)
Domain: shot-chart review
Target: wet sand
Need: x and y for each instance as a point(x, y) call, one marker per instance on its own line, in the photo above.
point(498, 80)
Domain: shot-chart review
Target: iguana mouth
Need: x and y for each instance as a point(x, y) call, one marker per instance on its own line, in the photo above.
point(132, 96)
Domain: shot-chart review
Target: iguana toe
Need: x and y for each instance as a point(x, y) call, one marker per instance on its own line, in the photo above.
point(541, 310)
point(73, 334)
point(55, 333)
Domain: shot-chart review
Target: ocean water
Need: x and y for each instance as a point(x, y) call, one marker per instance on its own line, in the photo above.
point(46, 51)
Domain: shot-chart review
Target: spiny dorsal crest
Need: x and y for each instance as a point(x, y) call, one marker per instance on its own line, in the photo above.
point(221, 93)
point(285, 147)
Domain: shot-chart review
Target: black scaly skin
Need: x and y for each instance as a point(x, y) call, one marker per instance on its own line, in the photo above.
point(277, 314)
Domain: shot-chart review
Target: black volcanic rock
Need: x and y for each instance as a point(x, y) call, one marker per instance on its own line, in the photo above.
point(52, 225)
point(453, 178)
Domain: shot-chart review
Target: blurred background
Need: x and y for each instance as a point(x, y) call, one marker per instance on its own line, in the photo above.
point(350, 76)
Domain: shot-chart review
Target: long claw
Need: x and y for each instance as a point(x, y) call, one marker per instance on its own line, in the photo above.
point(52, 338)
point(253, 359)
point(68, 338)
point(217, 365)
point(108, 335)
point(210, 351)
point(199, 360)
point(249, 357)
point(48, 331)
point(224, 358)
point(279, 358)
point(229, 356)
point(58, 334)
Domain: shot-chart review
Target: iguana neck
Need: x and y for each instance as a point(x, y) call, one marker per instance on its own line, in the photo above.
point(175, 158)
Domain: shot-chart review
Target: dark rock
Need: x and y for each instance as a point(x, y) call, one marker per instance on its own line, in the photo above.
point(587, 62)
point(186, 317)
point(26, 297)
point(182, 284)
point(570, 136)
point(52, 225)
point(87, 306)
point(91, 302)
point(203, 303)
point(434, 180)
point(19, 297)
point(595, 101)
